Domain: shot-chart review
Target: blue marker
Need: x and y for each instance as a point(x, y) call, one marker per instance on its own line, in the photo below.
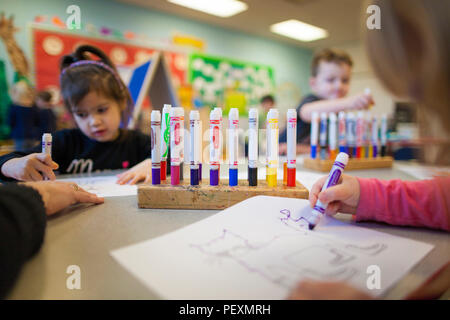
point(314, 134)
point(323, 136)
point(333, 179)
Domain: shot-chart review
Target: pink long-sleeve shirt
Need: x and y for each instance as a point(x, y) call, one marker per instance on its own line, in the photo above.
point(424, 203)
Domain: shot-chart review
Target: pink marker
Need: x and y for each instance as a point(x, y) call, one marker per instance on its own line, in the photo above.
point(176, 143)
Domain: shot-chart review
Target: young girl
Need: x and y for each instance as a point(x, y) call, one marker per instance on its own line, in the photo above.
point(410, 55)
point(98, 100)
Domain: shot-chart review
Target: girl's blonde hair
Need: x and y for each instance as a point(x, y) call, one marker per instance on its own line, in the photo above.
point(410, 55)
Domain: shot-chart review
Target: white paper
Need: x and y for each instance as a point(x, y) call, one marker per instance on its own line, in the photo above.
point(260, 248)
point(104, 186)
point(422, 172)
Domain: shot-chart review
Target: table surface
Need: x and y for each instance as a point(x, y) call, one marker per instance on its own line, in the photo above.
point(84, 235)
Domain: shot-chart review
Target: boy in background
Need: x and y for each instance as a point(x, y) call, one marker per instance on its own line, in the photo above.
point(330, 83)
point(46, 116)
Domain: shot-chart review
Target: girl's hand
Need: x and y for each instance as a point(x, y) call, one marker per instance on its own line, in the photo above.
point(58, 195)
point(343, 197)
point(33, 167)
point(141, 171)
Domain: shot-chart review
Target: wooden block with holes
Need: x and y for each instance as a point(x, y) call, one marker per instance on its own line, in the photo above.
point(204, 196)
point(353, 164)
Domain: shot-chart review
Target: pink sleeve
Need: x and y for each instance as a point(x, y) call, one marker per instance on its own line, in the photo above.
point(424, 203)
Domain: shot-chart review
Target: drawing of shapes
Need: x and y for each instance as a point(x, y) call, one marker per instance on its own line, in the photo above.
point(342, 274)
point(371, 250)
point(320, 258)
point(228, 245)
point(299, 223)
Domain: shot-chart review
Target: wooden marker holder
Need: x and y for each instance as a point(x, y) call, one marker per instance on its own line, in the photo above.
point(353, 163)
point(204, 196)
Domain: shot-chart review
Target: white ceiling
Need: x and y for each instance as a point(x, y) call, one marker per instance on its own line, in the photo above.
point(341, 18)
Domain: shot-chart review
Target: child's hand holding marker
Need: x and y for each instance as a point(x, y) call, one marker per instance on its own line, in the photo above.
point(33, 167)
point(343, 197)
point(137, 173)
point(360, 101)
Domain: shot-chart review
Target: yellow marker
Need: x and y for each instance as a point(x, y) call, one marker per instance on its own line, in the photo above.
point(284, 173)
point(272, 143)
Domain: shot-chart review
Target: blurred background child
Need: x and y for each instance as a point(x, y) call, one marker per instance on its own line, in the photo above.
point(330, 83)
point(23, 116)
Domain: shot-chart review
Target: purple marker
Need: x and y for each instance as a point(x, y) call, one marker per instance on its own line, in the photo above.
point(333, 179)
point(156, 146)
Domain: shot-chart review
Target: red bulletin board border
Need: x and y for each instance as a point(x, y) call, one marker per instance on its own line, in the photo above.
point(49, 46)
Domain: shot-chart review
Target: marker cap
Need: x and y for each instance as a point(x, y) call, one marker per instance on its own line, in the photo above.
point(174, 175)
point(233, 177)
point(252, 177)
point(214, 177)
point(313, 152)
point(291, 177)
point(194, 177)
point(163, 170)
point(156, 175)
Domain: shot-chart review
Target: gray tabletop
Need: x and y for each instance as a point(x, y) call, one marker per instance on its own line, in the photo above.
point(85, 234)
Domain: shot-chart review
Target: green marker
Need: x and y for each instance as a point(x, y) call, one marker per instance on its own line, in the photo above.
point(165, 138)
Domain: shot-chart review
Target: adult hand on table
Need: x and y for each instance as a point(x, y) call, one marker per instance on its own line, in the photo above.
point(58, 195)
point(316, 290)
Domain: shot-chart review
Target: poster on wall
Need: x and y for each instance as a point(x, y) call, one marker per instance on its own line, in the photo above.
point(229, 83)
point(50, 45)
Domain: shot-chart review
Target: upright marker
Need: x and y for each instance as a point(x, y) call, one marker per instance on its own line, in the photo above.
point(367, 135)
point(176, 143)
point(233, 135)
point(272, 121)
point(182, 153)
point(374, 137)
point(214, 147)
point(359, 134)
point(221, 137)
point(314, 134)
point(342, 133)
point(156, 146)
point(165, 139)
point(351, 134)
point(47, 145)
point(333, 178)
point(323, 136)
point(200, 150)
point(291, 117)
point(383, 136)
point(332, 132)
point(194, 120)
point(253, 147)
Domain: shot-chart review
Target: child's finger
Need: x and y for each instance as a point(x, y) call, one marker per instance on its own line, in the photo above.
point(332, 208)
point(46, 170)
point(124, 178)
point(148, 178)
point(87, 197)
point(34, 175)
point(335, 193)
point(315, 190)
point(47, 159)
point(136, 179)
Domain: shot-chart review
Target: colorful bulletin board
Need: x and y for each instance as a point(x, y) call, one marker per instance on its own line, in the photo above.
point(228, 83)
point(50, 45)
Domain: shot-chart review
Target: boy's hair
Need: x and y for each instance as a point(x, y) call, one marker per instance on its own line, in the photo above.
point(80, 75)
point(268, 98)
point(45, 96)
point(330, 55)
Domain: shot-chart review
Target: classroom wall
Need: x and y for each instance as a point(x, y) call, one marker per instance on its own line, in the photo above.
point(291, 64)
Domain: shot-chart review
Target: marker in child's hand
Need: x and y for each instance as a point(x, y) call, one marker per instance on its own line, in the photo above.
point(332, 180)
point(47, 146)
